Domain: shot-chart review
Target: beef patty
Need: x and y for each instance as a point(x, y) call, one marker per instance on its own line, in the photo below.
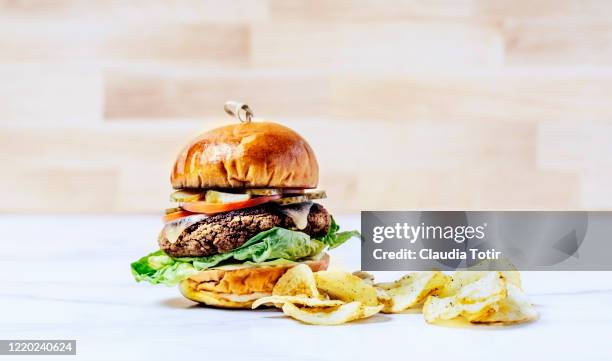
point(226, 231)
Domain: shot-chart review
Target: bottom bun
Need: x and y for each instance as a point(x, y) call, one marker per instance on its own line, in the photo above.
point(223, 300)
point(238, 288)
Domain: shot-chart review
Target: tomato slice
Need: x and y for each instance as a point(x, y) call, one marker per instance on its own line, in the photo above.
point(176, 215)
point(212, 208)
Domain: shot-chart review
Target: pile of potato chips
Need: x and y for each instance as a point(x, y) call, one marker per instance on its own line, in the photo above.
point(336, 297)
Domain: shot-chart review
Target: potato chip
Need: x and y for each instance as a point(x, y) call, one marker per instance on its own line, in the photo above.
point(298, 280)
point(436, 308)
point(460, 279)
point(383, 297)
point(299, 300)
point(491, 284)
point(509, 271)
point(473, 301)
point(368, 311)
point(483, 308)
point(346, 287)
point(331, 316)
point(334, 297)
point(365, 276)
point(514, 308)
point(412, 289)
point(513, 277)
point(474, 273)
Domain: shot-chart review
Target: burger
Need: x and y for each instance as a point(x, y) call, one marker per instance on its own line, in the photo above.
point(245, 211)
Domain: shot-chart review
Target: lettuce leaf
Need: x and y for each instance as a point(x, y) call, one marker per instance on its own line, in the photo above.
point(333, 238)
point(274, 244)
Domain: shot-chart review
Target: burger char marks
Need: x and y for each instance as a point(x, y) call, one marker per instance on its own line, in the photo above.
point(226, 231)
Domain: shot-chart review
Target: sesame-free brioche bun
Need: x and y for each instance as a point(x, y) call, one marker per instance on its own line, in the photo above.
point(238, 288)
point(247, 155)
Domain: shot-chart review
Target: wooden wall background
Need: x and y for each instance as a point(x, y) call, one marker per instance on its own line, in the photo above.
point(445, 104)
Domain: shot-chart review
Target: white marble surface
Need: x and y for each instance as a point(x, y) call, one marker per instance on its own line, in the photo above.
point(68, 278)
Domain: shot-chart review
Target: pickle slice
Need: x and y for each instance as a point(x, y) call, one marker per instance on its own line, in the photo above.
point(307, 196)
point(184, 195)
point(291, 200)
point(263, 191)
point(222, 197)
point(315, 194)
point(172, 210)
point(293, 191)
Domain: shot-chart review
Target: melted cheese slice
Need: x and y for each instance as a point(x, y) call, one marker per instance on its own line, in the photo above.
point(298, 213)
point(173, 230)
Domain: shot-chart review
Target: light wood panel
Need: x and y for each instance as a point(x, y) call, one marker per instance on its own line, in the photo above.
point(409, 104)
point(138, 10)
point(556, 42)
point(42, 95)
point(543, 9)
point(520, 95)
point(159, 96)
point(107, 40)
point(373, 10)
point(384, 47)
point(368, 10)
point(51, 188)
point(474, 189)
